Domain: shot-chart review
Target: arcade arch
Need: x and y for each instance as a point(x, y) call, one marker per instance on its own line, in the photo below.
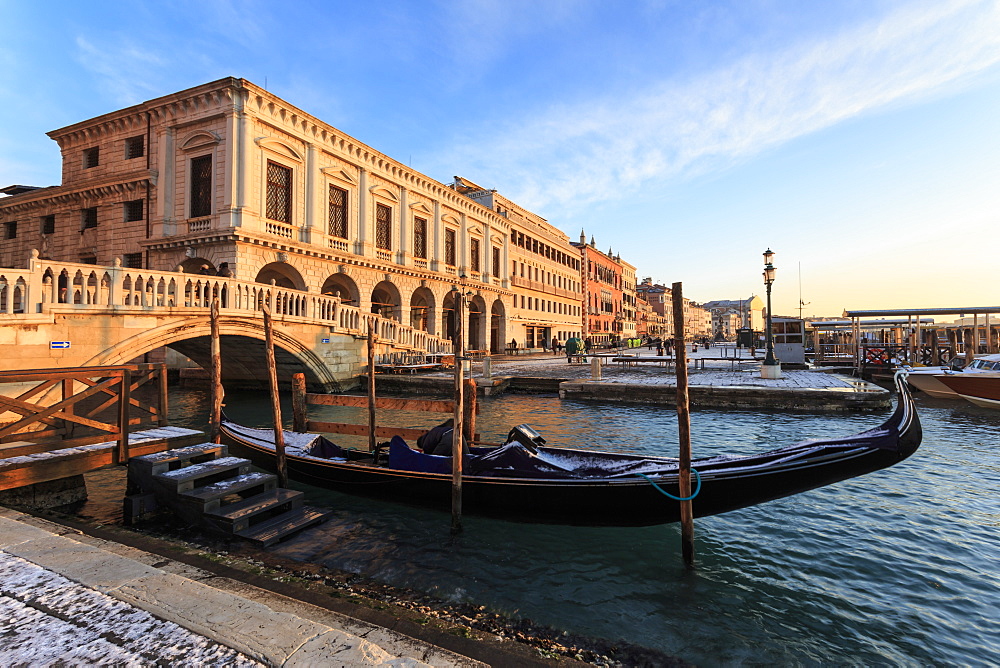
point(386, 300)
point(344, 286)
point(283, 274)
point(422, 310)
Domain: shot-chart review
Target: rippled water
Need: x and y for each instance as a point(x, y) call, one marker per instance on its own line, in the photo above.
point(899, 567)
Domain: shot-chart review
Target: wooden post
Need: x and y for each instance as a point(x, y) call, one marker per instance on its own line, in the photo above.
point(458, 348)
point(164, 394)
point(299, 402)
point(371, 384)
point(469, 414)
point(215, 417)
point(124, 400)
point(272, 372)
point(683, 429)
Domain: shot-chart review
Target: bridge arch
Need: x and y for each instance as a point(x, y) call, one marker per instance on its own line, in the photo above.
point(242, 346)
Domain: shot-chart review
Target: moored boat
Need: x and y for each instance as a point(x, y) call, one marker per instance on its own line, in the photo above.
point(982, 389)
point(520, 482)
point(926, 379)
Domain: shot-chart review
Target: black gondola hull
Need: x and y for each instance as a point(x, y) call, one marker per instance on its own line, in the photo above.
point(726, 483)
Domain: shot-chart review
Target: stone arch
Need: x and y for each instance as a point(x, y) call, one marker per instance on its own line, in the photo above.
point(422, 311)
point(345, 285)
point(194, 265)
point(498, 326)
point(283, 274)
point(386, 300)
point(476, 323)
point(193, 339)
point(448, 315)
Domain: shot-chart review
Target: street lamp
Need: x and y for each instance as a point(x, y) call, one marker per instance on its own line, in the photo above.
point(771, 367)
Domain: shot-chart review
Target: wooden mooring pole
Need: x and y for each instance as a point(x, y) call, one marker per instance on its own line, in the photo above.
point(299, 402)
point(456, 435)
point(215, 419)
point(371, 385)
point(272, 372)
point(683, 429)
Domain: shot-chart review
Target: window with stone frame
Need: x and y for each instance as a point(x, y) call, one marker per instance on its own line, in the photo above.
point(279, 192)
point(496, 262)
point(201, 187)
point(10, 230)
point(338, 212)
point(474, 263)
point(420, 238)
point(132, 260)
point(449, 247)
point(88, 218)
point(135, 147)
point(383, 227)
point(49, 224)
point(91, 157)
point(133, 210)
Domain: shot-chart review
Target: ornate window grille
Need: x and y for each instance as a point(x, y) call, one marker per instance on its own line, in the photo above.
point(91, 157)
point(496, 262)
point(449, 247)
point(338, 212)
point(201, 186)
point(133, 260)
point(420, 238)
point(279, 192)
point(474, 255)
point(48, 224)
point(383, 227)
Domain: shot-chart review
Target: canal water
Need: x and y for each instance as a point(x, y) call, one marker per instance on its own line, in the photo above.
point(899, 567)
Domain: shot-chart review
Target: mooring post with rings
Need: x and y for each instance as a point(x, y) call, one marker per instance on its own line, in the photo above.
point(683, 430)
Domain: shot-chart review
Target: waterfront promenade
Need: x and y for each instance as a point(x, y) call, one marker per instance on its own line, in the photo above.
point(73, 599)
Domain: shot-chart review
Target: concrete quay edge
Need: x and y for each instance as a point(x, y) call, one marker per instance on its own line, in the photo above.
point(275, 627)
point(730, 396)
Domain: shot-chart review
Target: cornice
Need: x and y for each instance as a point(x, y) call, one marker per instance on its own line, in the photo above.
point(91, 190)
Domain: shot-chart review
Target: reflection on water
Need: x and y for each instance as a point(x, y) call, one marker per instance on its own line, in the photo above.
point(897, 567)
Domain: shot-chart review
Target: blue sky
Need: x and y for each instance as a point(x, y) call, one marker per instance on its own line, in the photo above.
point(860, 140)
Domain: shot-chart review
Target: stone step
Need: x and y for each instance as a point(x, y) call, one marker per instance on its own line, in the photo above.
point(209, 498)
point(273, 530)
point(202, 475)
point(256, 509)
point(171, 460)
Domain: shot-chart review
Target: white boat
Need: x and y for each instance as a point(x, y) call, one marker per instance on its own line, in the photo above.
point(923, 378)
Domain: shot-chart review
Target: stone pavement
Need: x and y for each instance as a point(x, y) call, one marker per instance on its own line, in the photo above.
point(71, 599)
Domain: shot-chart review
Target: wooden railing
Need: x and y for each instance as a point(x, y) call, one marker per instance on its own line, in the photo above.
point(62, 408)
point(84, 287)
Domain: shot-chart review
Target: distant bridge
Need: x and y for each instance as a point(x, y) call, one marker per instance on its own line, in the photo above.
point(69, 315)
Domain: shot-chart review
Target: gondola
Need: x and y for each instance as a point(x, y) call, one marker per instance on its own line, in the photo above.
point(526, 483)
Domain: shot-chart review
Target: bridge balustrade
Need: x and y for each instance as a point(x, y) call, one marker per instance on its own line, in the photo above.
point(48, 283)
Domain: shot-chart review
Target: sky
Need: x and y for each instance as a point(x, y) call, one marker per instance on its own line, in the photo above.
point(857, 139)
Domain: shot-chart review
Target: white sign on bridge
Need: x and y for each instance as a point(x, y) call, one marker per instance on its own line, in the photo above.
point(55, 345)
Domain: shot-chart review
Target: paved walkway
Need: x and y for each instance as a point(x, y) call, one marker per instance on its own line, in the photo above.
point(716, 373)
point(71, 599)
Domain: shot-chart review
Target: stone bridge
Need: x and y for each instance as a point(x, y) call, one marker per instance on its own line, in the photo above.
point(64, 314)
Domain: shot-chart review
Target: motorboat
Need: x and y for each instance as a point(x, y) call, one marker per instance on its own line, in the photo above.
point(982, 389)
point(926, 379)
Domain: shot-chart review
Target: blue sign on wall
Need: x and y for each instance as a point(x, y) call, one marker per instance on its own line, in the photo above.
point(325, 341)
point(58, 344)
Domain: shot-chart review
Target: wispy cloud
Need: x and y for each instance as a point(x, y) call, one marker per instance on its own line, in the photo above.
point(126, 72)
point(573, 156)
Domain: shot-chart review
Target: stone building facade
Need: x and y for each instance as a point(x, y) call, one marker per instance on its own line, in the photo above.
point(227, 177)
point(603, 292)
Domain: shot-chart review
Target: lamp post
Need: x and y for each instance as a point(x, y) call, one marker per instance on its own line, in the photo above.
point(771, 367)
